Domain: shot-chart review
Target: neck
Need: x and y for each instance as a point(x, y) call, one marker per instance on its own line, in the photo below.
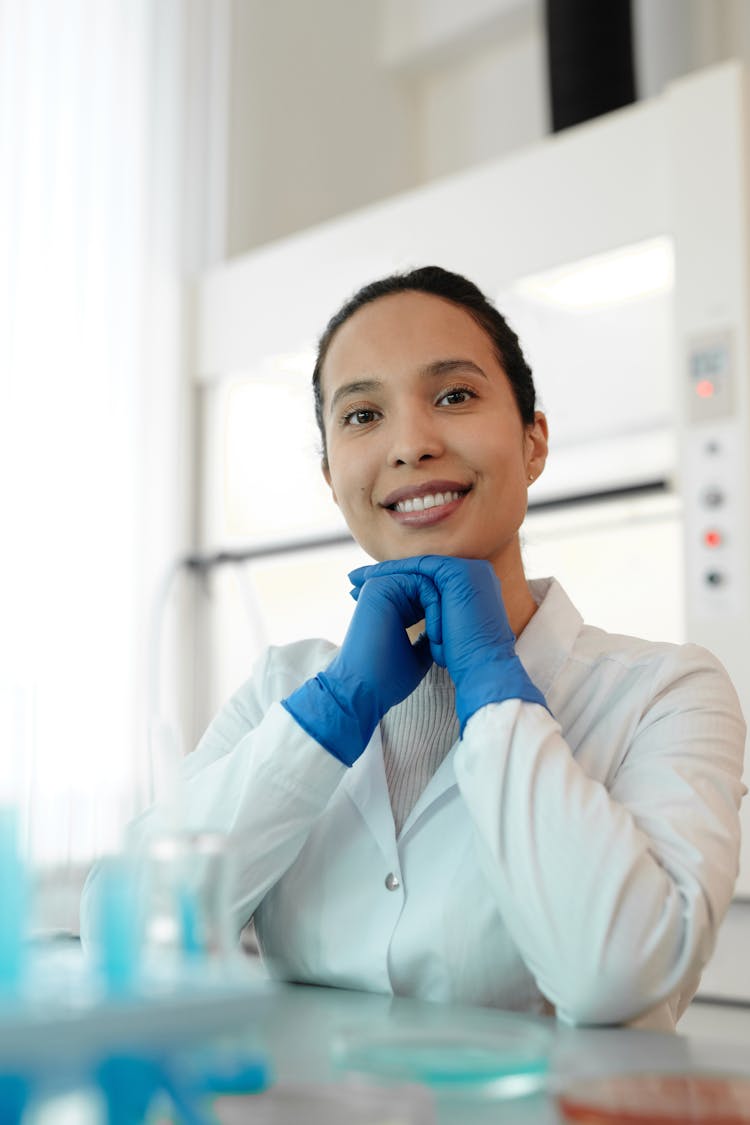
point(517, 597)
point(519, 606)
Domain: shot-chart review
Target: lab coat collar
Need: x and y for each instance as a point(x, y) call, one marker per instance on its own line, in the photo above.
point(546, 643)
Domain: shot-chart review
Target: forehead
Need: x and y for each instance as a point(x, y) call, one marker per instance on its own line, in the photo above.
point(404, 331)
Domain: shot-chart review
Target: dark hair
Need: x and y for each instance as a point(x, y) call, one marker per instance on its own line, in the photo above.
point(452, 287)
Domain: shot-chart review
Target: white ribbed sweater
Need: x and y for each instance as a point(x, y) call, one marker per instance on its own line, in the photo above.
point(416, 736)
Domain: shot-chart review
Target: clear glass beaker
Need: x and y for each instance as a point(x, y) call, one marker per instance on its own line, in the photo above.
point(187, 908)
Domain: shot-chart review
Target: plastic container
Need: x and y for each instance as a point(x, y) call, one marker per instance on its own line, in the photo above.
point(658, 1099)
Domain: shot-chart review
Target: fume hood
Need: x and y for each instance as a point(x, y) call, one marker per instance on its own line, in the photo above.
point(619, 251)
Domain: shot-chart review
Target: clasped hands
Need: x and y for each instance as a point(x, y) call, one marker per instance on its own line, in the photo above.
point(377, 666)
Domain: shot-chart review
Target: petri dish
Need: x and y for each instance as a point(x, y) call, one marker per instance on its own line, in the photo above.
point(658, 1099)
point(511, 1060)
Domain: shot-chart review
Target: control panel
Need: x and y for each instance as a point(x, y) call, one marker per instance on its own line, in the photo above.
point(712, 468)
point(711, 115)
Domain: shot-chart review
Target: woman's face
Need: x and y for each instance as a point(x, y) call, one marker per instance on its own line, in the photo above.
point(427, 453)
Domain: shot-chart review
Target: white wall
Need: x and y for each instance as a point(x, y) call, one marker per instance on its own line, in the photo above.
point(478, 72)
point(675, 37)
point(318, 125)
point(338, 103)
point(334, 104)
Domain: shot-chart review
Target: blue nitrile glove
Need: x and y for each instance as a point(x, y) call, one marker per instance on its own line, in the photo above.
point(477, 645)
point(376, 667)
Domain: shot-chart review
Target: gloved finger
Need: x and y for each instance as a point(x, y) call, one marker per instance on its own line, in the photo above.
point(381, 570)
point(443, 570)
point(422, 650)
point(438, 654)
point(429, 565)
point(440, 568)
point(433, 617)
point(416, 587)
point(424, 596)
point(360, 574)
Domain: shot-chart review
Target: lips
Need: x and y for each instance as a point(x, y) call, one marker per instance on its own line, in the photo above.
point(430, 491)
point(425, 505)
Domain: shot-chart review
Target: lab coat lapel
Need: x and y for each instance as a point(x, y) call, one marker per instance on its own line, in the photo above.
point(366, 786)
point(443, 779)
point(545, 645)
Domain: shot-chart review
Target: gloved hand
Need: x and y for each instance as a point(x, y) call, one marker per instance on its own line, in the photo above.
point(376, 667)
point(475, 642)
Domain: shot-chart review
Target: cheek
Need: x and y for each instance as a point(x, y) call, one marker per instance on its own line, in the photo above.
point(350, 474)
point(348, 490)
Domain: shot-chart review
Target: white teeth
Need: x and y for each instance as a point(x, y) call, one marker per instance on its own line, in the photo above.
point(419, 503)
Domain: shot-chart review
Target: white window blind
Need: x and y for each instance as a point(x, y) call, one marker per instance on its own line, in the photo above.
point(91, 136)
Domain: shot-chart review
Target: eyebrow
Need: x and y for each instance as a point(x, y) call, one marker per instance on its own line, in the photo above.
point(434, 370)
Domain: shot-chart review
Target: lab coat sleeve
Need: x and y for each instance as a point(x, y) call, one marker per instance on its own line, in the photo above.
point(613, 893)
point(255, 776)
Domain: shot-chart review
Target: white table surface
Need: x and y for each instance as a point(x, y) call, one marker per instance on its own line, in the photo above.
point(297, 1025)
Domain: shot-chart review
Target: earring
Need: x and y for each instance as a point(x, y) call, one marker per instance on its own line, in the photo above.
point(531, 477)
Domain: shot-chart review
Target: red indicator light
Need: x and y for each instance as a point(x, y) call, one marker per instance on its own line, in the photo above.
point(712, 538)
point(704, 388)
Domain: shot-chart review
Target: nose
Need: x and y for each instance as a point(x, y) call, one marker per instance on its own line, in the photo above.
point(415, 437)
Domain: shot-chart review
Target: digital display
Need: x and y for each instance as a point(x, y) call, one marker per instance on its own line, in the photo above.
point(708, 363)
point(709, 369)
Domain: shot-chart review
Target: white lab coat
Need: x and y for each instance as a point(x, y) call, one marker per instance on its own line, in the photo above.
point(584, 861)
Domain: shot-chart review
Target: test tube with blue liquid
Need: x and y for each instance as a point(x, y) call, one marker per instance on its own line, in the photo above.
point(14, 1085)
point(16, 725)
point(14, 912)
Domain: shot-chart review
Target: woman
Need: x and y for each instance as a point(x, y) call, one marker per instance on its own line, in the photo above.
point(477, 798)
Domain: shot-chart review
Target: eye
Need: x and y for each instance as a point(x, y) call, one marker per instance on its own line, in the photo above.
point(456, 396)
point(360, 416)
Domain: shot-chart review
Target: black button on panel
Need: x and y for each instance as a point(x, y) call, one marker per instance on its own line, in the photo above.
point(713, 497)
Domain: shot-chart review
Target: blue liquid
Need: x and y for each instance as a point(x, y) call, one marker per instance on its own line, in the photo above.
point(14, 900)
point(119, 926)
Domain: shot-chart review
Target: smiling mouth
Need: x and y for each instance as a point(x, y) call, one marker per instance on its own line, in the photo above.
point(422, 503)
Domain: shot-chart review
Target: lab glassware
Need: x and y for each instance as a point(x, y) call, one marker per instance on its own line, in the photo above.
point(187, 917)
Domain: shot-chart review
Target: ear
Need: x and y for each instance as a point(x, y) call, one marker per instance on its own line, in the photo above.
point(327, 476)
point(537, 438)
